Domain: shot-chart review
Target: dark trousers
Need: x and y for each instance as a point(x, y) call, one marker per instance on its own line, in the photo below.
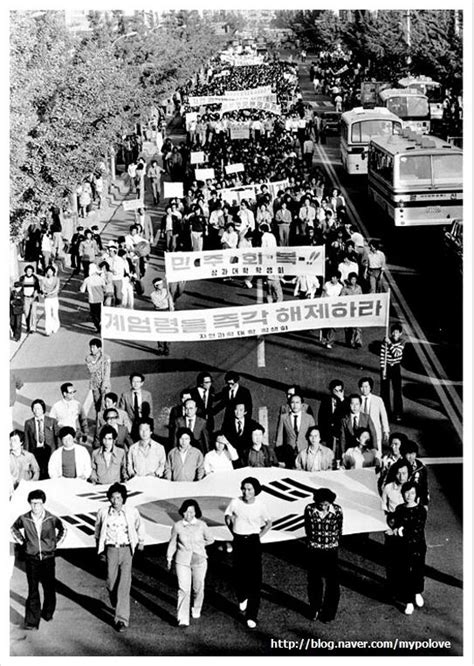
point(248, 572)
point(85, 267)
point(95, 310)
point(323, 582)
point(15, 324)
point(287, 455)
point(42, 455)
point(394, 377)
point(40, 571)
point(410, 567)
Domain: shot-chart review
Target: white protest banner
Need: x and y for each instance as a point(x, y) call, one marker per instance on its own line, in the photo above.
point(357, 311)
point(198, 157)
point(248, 92)
point(284, 492)
point(301, 260)
point(133, 204)
point(234, 168)
point(250, 103)
point(276, 185)
point(239, 132)
point(204, 174)
point(204, 100)
point(172, 190)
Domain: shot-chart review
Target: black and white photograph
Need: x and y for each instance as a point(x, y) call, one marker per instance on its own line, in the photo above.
point(240, 331)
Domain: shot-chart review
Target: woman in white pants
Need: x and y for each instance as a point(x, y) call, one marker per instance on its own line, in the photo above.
point(50, 289)
point(189, 538)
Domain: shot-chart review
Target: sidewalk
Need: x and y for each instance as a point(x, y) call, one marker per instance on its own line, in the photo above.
point(44, 363)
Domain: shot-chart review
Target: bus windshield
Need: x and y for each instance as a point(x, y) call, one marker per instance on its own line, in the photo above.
point(409, 107)
point(447, 168)
point(415, 170)
point(364, 130)
point(430, 169)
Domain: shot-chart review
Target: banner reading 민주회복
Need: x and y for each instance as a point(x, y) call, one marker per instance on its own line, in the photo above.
point(360, 311)
point(285, 493)
point(304, 260)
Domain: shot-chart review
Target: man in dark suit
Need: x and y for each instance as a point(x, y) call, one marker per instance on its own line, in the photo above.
point(331, 410)
point(291, 433)
point(352, 421)
point(238, 430)
point(196, 425)
point(41, 436)
point(176, 412)
point(232, 394)
point(138, 403)
point(204, 396)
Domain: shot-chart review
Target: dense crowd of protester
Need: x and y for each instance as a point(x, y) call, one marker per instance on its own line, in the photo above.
point(214, 430)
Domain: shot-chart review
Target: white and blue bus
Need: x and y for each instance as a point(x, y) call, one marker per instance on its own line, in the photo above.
point(358, 127)
point(416, 180)
point(410, 105)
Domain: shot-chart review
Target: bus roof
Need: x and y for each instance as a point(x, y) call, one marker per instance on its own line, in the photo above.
point(410, 141)
point(359, 113)
point(399, 92)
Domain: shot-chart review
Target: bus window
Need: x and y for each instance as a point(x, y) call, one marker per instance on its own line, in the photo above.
point(415, 170)
point(417, 107)
point(447, 168)
point(398, 106)
point(366, 129)
point(382, 165)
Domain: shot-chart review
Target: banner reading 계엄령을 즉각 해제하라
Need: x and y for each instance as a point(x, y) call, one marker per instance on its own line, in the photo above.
point(358, 311)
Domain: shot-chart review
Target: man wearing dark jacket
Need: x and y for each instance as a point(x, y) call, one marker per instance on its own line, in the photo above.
point(40, 533)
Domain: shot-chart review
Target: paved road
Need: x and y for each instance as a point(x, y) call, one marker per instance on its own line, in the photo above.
point(82, 623)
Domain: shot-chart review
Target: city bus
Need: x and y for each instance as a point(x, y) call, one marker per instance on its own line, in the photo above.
point(411, 106)
point(416, 180)
point(357, 128)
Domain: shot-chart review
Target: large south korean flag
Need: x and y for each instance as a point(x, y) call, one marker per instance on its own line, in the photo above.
point(285, 493)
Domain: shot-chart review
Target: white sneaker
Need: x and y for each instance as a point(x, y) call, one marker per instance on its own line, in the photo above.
point(419, 601)
point(243, 605)
point(251, 624)
point(228, 547)
point(195, 613)
point(183, 624)
point(409, 609)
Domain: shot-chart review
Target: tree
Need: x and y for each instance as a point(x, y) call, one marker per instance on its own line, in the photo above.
point(71, 100)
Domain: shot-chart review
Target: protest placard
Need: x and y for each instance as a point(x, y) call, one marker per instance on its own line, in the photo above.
point(204, 174)
point(171, 190)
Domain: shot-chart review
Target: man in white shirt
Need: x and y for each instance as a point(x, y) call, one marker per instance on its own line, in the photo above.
point(268, 239)
point(374, 406)
point(71, 460)
point(70, 412)
point(119, 269)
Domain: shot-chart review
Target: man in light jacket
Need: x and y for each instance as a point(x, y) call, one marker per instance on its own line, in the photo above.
point(71, 460)
point(119, 532)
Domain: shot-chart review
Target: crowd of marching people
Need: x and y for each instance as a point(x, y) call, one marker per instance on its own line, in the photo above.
point(215, 430)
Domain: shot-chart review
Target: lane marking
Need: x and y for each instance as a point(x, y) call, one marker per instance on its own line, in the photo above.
point(454, 460)
point(263, 420)
point(260, 339)
point(404, 313)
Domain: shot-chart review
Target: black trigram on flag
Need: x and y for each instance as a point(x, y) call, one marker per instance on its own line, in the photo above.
point(101, 495)
point(82, 521)
point(289, 523)
point(288, 490)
